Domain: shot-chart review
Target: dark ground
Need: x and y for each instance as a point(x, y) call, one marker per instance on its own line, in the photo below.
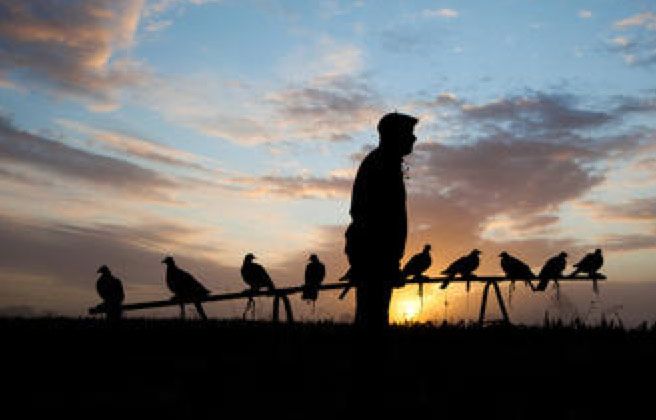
point(231, 369)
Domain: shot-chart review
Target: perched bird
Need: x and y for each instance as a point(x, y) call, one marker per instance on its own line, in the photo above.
point(416, 267)
point(552, 270)
point(418, 263)
point(515, 269)
point(315, 272)
point(465, 266)
point(110, 290)
point(256, 277)
point(590, 264)
point(185, 287)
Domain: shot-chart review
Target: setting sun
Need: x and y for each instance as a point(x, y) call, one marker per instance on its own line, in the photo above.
point(406, 310)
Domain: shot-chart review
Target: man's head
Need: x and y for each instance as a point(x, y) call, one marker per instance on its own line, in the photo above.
point(396, 132)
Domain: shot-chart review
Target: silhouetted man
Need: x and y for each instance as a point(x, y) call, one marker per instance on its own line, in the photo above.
point(375, 240)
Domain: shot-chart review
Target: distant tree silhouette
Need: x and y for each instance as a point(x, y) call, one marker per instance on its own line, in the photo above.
point(110, 290)
point(185, 287)
point(375, 239)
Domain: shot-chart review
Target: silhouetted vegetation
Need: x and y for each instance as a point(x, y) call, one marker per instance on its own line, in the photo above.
point(193, 368)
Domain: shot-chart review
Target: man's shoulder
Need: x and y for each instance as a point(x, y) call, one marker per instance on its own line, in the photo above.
point(372, 159)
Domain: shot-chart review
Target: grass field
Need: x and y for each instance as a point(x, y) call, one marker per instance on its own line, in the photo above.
point(234, 369)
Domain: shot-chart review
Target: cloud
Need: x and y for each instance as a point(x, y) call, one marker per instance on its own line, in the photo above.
point(635, 210)
point(631, 104)
point(70, 48)
point(640, 49)
point(537, 112)
point(506, 179)
point(298, 187)
point(328, 108)
point(628, 243)
point(440, 13)
point(158, 25)
point(158, 7)
point(328, 99)
point(585, 14)
point(41, 153)
point(135, 147)
point(645, 20)
point(506, 175)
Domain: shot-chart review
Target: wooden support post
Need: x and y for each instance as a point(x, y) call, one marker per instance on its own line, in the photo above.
point(481, 316)
point(288, 308)
point(502, 306)
point(276, 309)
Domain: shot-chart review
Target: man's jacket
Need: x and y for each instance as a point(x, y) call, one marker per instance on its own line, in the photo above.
point(378, 231)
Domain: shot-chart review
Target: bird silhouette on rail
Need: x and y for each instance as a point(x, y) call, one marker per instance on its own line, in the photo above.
point(415, 268)
point(185, 287)
point(256, 277)
point(552, 270)
point(111, 292)
point(516, 269)
point(315, 273)
point(465, 266)
point(590, 265)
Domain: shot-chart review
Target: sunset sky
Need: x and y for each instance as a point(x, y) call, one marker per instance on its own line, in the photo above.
point(203, 129)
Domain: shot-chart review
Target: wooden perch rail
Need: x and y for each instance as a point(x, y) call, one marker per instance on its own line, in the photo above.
point(283, 293)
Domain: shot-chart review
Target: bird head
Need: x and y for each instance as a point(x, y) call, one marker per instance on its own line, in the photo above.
point(314, 258)
point(249, 257)
point(563, 254)
point(598, 251)
point(504, 254)
point(427, 248)
point(103, 269)
point(476, 252)
point(168, 260)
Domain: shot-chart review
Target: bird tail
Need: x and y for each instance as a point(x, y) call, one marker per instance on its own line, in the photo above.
point(446, 281)
point(574, 273)
point(542, 285)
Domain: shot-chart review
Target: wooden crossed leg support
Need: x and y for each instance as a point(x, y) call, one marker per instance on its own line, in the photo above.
point(502, 305)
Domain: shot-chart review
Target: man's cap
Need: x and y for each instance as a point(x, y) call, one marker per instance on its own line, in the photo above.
point(395, 121)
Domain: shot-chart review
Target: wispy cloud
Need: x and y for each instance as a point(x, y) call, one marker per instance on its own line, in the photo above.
point(132, 146)
point(640, 48)
point(635, 210)
point(331, 108)
point(70, 48)
point(440, 13)
point(297, 187)
point(645, 20)
point(585, 14)
point(45, 154)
